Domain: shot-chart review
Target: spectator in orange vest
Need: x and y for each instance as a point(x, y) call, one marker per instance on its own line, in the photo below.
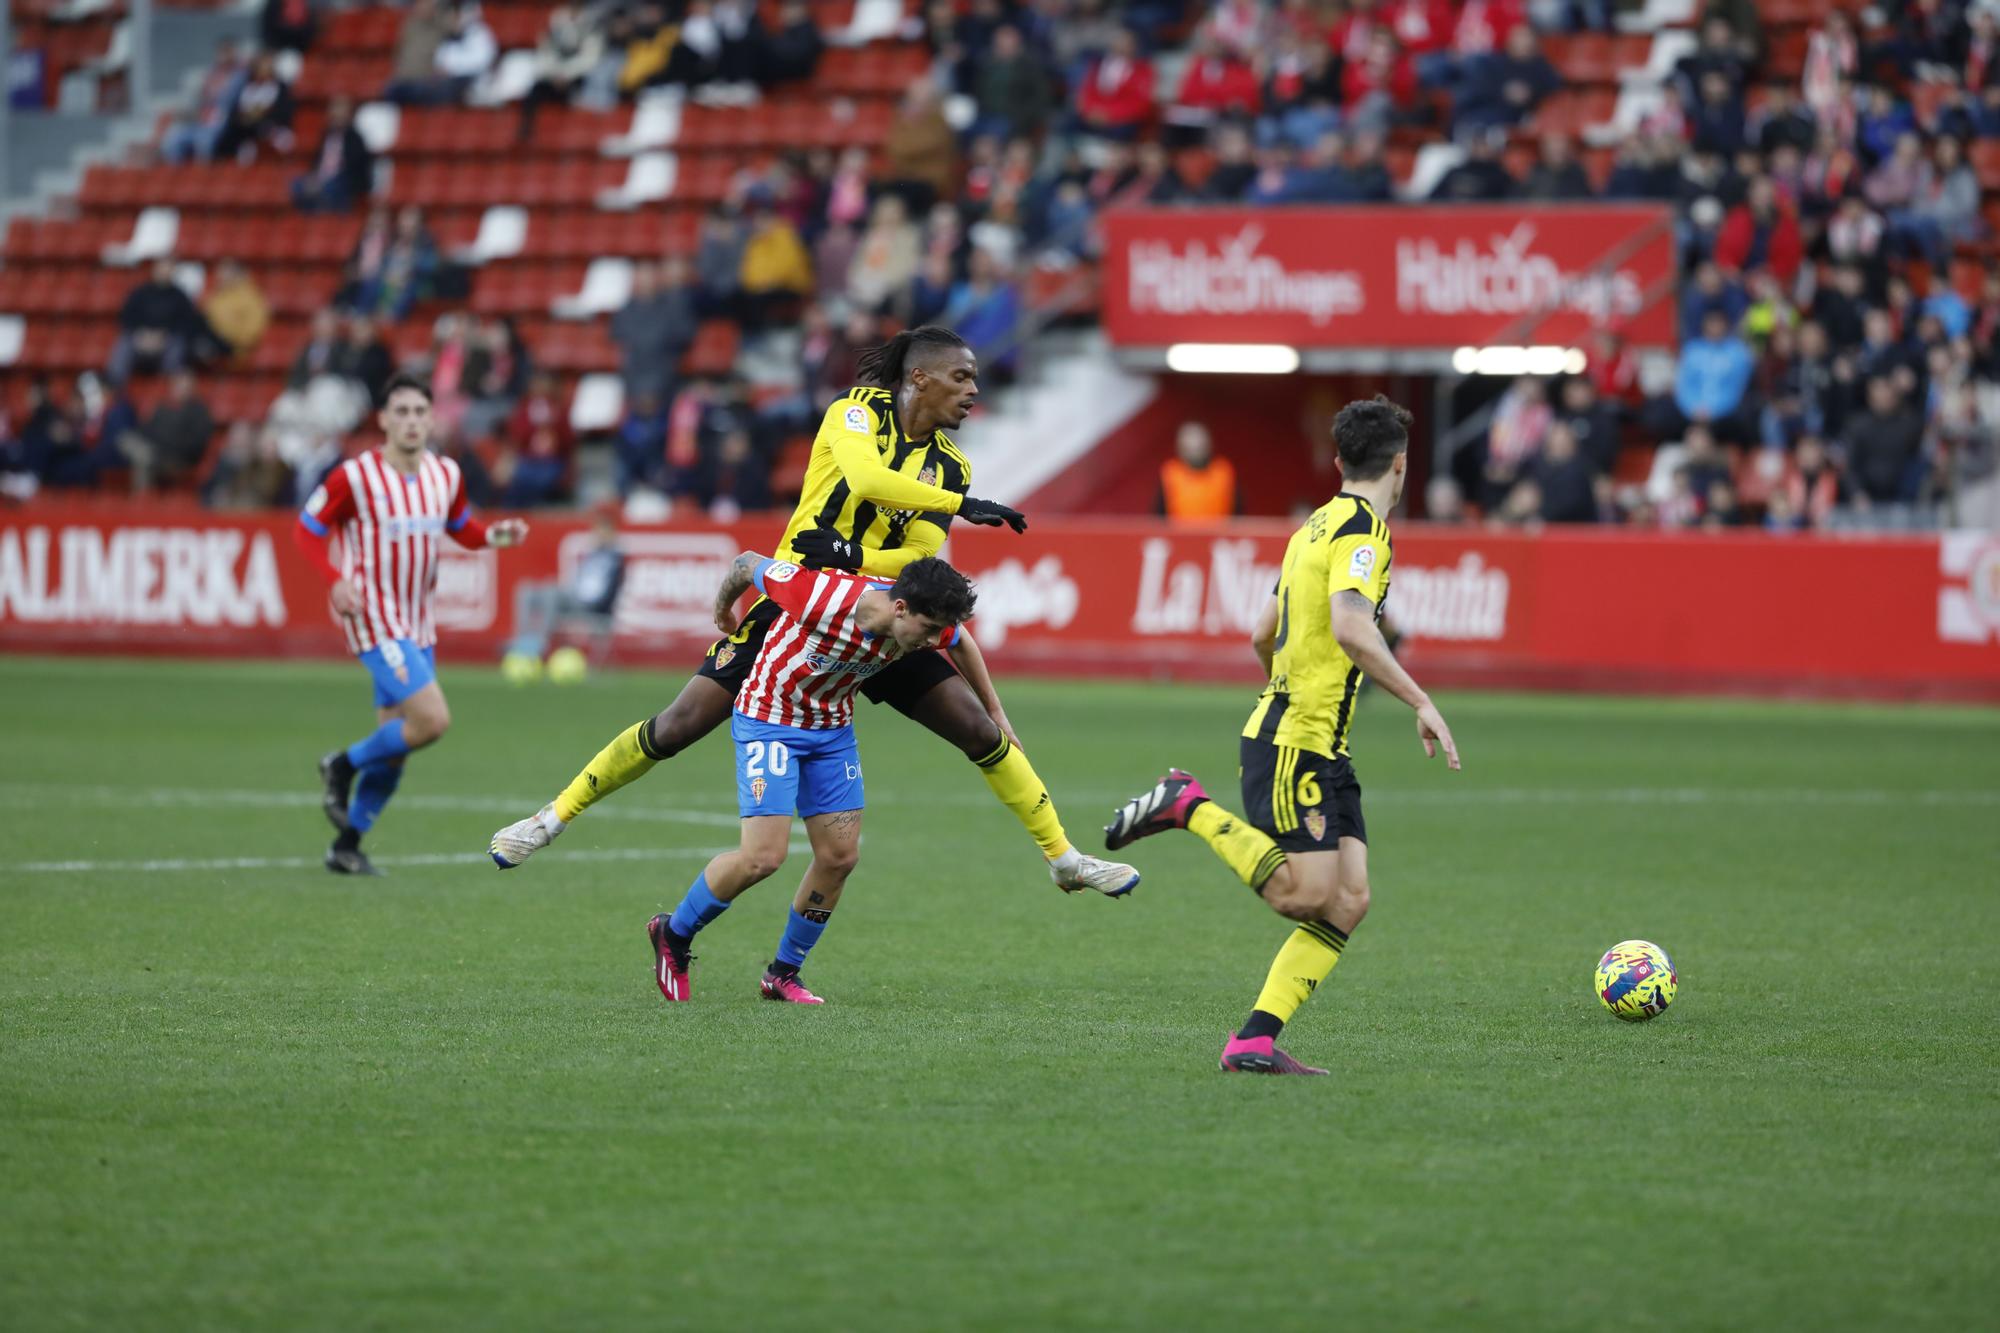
point(1195, 485)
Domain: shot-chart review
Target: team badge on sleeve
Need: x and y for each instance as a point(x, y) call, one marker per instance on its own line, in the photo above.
point(1362, 566)
point(857, 419)
point(782, 572)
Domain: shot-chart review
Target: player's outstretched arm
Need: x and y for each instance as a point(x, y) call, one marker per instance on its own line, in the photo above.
point(971, 664)
point(1355, 629)
point(742, 572)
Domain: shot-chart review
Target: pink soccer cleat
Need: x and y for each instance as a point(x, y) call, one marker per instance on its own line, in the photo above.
point(1166, 806)
point(787, 988)
point(1258, 1055)
point(670, 959)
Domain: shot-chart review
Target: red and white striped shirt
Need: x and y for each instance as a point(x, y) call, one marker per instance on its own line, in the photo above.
point(389, 525)
point(814, 656)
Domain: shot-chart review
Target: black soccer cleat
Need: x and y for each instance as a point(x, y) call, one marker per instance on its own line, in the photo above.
point(336, 775)
point(349, 861)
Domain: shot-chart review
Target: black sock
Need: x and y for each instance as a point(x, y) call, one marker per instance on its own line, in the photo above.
point(1261, 1024)
point(779, 969)
point(348, 840)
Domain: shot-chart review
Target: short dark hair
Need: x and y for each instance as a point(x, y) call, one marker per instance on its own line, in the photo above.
point(1369, 434)
point(403, 379)
point(936, 591)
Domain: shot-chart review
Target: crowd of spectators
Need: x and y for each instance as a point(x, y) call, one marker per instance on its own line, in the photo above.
point(1828, 367)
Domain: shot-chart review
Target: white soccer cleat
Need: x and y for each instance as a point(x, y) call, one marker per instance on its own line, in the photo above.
point(519, 841)
point(1076, 871)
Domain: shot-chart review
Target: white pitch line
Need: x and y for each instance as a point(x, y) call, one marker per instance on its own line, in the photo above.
point(313, 863)
point(1449, 791)
point(128, 797)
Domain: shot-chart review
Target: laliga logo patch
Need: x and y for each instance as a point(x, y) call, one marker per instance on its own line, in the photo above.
point(757, 786)
point(1316, 825)
point(856, 419)
point(782, 572)
point(1363, 564)
point(725, 655)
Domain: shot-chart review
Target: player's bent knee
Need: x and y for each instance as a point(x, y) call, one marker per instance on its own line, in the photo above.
point(1287, 893)
point(840, 863)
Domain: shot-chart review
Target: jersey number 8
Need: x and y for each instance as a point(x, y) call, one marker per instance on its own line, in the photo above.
point(755, 754)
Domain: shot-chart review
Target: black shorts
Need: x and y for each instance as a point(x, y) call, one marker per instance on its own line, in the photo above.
point(900, 684)
point(1305, 801)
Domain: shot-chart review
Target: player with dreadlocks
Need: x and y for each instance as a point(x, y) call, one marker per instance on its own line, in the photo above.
point(881, 489)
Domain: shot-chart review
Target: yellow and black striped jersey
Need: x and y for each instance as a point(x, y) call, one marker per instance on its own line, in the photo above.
point(877, 487)
point(1310, 699)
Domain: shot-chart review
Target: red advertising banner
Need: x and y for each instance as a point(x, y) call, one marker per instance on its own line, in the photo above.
point(1388, 278)
point(1585, 608)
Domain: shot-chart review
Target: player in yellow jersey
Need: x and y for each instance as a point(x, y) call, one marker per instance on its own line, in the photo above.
point(1301, 843)
point(881, 489)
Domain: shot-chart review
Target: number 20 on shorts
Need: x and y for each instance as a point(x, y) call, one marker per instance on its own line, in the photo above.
point(757, 753)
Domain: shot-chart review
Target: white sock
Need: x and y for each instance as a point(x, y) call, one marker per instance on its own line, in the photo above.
point(1068, 861)
point(549, 822)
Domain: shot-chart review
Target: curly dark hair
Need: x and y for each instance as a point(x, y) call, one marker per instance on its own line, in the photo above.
point(1369, 434)
point(936, 591)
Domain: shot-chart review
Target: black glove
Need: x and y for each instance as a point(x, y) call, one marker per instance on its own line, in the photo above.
point(823, 548)
point(990, 514)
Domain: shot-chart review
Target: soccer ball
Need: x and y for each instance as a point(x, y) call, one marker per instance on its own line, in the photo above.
point(567, 666)
point(1636, 980)
point(521, 668)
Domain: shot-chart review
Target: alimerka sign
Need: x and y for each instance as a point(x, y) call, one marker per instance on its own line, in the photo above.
point(1388, 278)
point(1580, 607)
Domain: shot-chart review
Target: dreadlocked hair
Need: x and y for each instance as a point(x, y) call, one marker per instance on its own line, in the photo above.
point(884, 365)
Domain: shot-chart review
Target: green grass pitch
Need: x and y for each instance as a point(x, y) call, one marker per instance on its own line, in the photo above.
point(237, 1092)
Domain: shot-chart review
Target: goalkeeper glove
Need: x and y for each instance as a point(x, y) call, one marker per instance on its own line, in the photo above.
point(990, 514)
point(823, 548)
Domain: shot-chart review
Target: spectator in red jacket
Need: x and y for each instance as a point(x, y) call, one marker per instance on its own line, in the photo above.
point(1354, 32)
point(1378, 90)
point(1760, 232)
point(1114, 98)
point(1215, 84)
point(1422, 26)
point(535, 462)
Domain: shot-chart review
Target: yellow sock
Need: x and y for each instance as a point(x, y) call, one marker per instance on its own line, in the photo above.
point(628, 757)
point(1304, 962)
point(1013, 779)
point(1243, 848)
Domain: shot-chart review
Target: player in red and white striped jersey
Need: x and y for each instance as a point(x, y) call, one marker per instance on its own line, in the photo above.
point(389, 508)
point(794, 733)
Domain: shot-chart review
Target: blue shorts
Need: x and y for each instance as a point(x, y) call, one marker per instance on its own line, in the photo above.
point(789, 770)
point(400, 669)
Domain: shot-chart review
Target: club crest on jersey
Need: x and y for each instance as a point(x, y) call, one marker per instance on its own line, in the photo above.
point(929, 475)
point(757, 786)
point(725, 655)
point(1316, 825)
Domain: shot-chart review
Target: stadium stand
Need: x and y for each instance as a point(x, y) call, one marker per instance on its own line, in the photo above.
point(1771, 127)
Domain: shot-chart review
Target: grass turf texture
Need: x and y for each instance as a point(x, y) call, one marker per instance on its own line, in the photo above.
point(452, 1098)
